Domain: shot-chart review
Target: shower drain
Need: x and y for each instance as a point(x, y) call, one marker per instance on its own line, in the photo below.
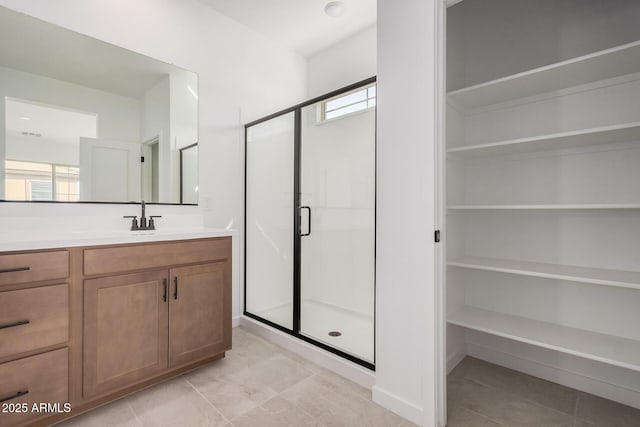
point(335, 334)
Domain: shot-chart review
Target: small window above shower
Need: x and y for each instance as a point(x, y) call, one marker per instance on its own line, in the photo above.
point(345, 104)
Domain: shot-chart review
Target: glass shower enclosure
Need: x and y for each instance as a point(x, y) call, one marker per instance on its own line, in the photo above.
point(310, 221)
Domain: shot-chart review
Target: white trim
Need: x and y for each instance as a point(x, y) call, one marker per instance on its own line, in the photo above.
point(557, 375)
point(398, 405)
point(443, 363)
point(454, 360)
point(235, 321)
point(327, 360)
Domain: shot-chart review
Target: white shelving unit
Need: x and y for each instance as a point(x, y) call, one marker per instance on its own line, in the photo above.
point(609, 349)
point(602, 65)
point(549, 207)
point(543, 212)
point(595, 276)
point(581, 138)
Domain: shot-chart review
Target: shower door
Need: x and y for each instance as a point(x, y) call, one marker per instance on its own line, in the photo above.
point(337, 199)
point(269, 220)
point(310, 222)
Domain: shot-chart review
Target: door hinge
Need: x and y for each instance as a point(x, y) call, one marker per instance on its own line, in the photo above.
point(436, 236)
point(142, 159)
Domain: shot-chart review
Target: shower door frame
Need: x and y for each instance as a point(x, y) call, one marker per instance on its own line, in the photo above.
point(297, 243)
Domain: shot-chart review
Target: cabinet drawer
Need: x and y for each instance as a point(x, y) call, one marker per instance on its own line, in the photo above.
point(33, 267)
point(115, 259)
point(33, 318)
point(38, 379)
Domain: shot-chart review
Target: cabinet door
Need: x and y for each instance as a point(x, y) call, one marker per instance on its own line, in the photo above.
point(199, 312)
point(125, 330)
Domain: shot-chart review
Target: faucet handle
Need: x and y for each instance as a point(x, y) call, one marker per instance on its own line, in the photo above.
point(134, 221)
point(152, 225)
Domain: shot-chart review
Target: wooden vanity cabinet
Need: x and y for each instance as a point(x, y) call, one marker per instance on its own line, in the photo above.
point(141, 325)
point(88, 325)
point(125, 330)
point(199, 313)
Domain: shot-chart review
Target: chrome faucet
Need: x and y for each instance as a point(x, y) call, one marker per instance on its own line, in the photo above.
point(143, 225)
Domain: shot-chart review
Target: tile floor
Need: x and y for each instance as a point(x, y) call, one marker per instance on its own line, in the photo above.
point(257, 384)
point(482, 394)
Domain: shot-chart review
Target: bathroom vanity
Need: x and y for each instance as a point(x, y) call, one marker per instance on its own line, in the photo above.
point(94, 319)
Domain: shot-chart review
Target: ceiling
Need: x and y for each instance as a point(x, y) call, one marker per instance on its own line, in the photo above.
point(34, 46)
point(300, 25)
point(51, 123)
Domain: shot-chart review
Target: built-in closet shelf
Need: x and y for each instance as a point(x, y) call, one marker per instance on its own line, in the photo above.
point(609, 63)
point(547, 207)
point(609, 349)
point(581, 138)
point(596, 276)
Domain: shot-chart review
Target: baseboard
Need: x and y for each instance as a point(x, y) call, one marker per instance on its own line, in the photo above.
point(235, 321)
point(454, 359)
point(330, 361)
point(398, 405)
point(556, 374)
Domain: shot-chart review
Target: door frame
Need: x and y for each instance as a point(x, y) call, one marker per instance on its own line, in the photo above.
point(181, 150)
point(295, 331)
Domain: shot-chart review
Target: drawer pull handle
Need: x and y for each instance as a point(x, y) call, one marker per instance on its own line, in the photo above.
point(13, 270)
point(175, 292)
point(14, 395)
point(13, 325)
point(164, 294)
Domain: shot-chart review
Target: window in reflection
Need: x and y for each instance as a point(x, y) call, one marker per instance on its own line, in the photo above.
point(41, 181)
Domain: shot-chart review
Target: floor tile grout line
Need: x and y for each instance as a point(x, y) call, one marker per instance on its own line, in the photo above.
point(313, 417)
point(135, 414)
point(277, 394)
point(262, 402)
point(484, 416)
point(207, 400)
point(533, 402)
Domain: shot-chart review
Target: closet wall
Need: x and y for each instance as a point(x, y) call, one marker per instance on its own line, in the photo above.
point(543, 190)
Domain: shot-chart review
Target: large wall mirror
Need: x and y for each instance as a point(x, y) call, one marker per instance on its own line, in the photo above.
point(84, 120)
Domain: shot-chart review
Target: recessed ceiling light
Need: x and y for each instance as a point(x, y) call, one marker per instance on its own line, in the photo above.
point(334, 9)
point(25, 118)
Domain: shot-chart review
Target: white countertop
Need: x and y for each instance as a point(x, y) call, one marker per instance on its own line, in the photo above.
point(22, 241)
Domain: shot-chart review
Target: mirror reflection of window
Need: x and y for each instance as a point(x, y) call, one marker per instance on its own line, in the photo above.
point(41, 150)
point(30, 181)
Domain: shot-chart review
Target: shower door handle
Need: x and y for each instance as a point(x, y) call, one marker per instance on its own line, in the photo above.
point(308, 233)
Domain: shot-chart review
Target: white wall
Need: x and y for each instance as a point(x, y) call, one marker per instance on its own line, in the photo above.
point(184, 126)
point(342, 64)
point(155, 122)
point(242, 76)
point(42, 150)
point(117, 115)
point(406, 308)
